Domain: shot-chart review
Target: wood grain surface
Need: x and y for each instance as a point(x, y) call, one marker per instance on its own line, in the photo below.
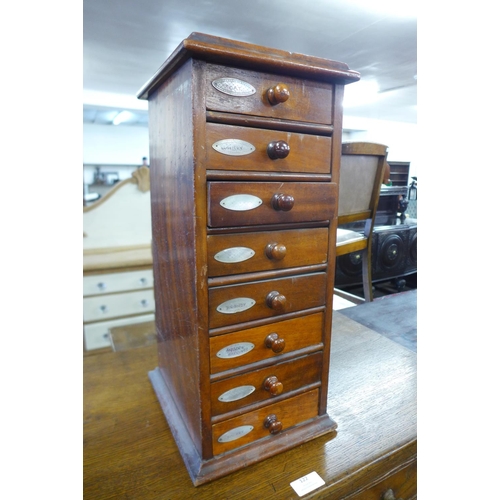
point(310, 101)
point(201, 45)
point(313, 201)
point(308, 153)
point(295, 375)
point(299, 293)
point(296, 333)
point(299, 247)
point(129, 451)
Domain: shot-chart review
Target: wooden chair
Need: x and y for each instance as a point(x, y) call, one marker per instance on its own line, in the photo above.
point(361, 172)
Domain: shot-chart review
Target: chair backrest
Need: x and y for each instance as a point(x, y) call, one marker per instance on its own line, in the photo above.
point(361, 172)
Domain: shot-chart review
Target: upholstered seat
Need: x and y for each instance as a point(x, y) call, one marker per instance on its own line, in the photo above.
point(346, 236)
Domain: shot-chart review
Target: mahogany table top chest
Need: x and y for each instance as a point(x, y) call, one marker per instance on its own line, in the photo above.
point(245, 146)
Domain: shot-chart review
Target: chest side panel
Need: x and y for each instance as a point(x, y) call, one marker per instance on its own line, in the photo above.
point(174, 249)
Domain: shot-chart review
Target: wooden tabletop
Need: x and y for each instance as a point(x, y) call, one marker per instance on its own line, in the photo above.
point(129, 451)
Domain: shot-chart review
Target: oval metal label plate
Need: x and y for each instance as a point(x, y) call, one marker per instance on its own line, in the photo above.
point(236, 394)
point(235, 350)
point(235, 433)
point(241, 202)
point(233, 306)
point(234, 87)
point(234, 254)
point(233, 147)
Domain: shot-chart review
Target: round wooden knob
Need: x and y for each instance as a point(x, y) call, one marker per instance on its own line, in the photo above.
point(274, 342)
point(282, 202)
point(276, 301)
point(278, 150)
point(278, 94)
point(275, 251)
point(273, 385)
point(273, 424)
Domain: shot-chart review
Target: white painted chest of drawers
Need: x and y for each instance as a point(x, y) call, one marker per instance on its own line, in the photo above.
point(115, 299)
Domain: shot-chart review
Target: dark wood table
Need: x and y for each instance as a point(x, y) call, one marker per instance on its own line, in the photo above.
point(129, 451)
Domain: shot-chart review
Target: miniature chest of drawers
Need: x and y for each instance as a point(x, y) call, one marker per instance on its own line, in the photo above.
point(245, 146)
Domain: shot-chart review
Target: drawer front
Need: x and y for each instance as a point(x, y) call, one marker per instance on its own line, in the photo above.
point(308, 101)
point(119, 304)
point(240, 148)
point(269, 202)
point(266, 251)
point(264, 342)
point(264, 299)
point(117, 282)
point(402, 483)
point(254, 425)
point(96, 335)
point(265, 384)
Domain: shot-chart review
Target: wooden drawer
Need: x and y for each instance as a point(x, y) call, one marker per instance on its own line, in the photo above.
point(97, 336)
point(99, 284)
point(308, 101)
point(266, 251)
point(265, 384)
point(119, 304)
point(264, 299)
point(269, 202)
point(403, 484)
point(305, 153)
point(264, 342)
point(251, 426)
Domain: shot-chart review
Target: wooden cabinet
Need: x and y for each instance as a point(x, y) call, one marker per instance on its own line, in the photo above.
point(400, 173)
point(245, 147)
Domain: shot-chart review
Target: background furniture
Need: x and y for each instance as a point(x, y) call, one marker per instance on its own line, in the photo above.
point(129, 450)
point(361, 171)
point(245, 151)
point(393, 199)
point(394, 240)
point(117, 261)
point(391, 205)
point(394, 258)
point(399, 173)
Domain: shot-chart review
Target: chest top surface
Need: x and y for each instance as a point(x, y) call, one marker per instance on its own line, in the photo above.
point(246, 55)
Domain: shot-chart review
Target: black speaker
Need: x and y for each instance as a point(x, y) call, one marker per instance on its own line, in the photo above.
point(394, 254)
